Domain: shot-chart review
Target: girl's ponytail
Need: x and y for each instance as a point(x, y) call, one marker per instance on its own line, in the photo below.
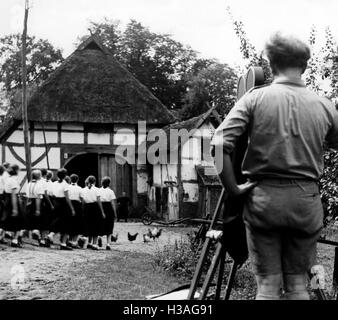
point(90, 181)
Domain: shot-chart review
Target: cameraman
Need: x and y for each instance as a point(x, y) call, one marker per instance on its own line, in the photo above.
point(287, 125)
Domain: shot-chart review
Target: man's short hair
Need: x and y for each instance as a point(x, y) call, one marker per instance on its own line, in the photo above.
point(286, 52)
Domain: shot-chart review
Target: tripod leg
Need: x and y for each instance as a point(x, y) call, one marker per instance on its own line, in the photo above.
point(211, 272)
point(231, 280)
point(199, 269)
point(220, 274)
point(335, 273)
point(205, 249)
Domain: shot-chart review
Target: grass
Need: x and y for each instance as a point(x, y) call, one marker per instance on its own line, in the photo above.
point(180, 260)
point(122, 276)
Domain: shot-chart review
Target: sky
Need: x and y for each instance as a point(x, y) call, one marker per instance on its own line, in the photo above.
point(202, 24)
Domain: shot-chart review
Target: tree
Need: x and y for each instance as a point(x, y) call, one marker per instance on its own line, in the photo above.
point(213, 85)
point(248, 50)
point(42, 59)
point(156, 60)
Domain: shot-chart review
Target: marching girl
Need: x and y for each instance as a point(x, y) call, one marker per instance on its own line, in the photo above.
point(108, 200)
point(2, 198)
point(49, 207)
point(49, 183)
point(34, 214)
point(14, 220)
point(46, 208)
point(76, 224)
point(63, 209)
point(93, 212)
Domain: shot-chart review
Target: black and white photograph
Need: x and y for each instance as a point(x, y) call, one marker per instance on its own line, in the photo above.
point(183, 151)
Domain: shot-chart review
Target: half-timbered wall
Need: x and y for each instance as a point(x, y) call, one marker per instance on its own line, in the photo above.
point(63, 141)
point(184, 193)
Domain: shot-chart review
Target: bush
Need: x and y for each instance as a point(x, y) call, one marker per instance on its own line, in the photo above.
point(329, 185)
point(180, 258)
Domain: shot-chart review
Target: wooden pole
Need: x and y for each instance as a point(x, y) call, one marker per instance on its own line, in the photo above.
point(45, 140)
point(24, 95)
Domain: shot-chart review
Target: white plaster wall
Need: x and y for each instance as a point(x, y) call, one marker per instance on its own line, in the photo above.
point(54, 155)
point(188, 171)
point(124, 137)
point(16, 137)
point(157, 174)
point(99, 138)
point(72, 137)
point(36, 152)
point(51, 137)
point(173, 203)
point(192, 190)
point(10, 158)
point(142, 186)
point(169, 172)
point(191, 150)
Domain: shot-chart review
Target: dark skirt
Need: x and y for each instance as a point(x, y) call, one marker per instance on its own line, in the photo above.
point(77, 224)
point(2, 208)
point(108, 222)
point(62, 216)
point(48, 213)
point(33, 221)
point(10, 222)
point(93, 219)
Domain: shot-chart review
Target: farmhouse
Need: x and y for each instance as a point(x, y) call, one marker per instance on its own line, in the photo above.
point(188, 186)
point(89, 105)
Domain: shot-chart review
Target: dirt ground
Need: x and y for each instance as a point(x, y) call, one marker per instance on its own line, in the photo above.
point(126, 272)
point(37, 273)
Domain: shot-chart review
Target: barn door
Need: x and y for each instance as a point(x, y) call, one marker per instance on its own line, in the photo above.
point(121, 175)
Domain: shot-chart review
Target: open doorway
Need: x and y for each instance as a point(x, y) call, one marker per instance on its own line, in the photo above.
point(84, 165)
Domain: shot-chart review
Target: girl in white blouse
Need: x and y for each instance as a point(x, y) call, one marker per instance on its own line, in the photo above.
point(34, 194)
point(75, 196)
point(63, 209)
point(14, 220)
point(93, 212)
point(108, 200)
point(46, 206)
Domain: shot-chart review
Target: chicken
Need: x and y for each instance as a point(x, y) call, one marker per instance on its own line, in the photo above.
point(158, 233)
point(146, 238)
point(150, 234)
point(155, 233)
point(9, 235)
point(114, 239)
point(132, 237)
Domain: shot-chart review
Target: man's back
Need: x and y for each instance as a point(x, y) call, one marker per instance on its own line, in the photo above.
point(287, 125)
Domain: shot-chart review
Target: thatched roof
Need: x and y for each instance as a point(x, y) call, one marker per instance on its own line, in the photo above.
point(191, 124)
point(92, 86)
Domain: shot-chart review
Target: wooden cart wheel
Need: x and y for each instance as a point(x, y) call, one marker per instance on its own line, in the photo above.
point(147, 219)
